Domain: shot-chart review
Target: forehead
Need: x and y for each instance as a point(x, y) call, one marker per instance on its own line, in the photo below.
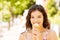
point(36, 12)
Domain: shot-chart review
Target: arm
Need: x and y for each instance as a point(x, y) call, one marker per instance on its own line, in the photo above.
point(21, 37)
point(53, 36)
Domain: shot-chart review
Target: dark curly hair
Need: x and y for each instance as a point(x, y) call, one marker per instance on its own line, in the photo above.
point(41, 9)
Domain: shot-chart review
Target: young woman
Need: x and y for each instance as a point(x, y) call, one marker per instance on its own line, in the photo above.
point(37, 25)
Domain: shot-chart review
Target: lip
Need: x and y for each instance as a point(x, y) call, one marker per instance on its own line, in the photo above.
point(36, 24)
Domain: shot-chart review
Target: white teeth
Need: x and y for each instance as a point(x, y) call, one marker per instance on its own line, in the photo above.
point(36, 24)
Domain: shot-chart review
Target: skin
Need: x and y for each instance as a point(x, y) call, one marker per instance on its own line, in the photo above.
point(37, 17)
point(37, 32)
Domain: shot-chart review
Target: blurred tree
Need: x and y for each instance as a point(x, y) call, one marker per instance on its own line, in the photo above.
point(52, 9)
point(1, 5)
point(57, 17)
point(53, 12)
point(16, 7)
point(6, 18)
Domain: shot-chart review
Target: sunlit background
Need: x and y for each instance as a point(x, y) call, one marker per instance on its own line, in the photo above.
point(13, 16)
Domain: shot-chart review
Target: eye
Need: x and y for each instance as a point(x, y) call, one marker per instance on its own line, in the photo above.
point(32, 17)
point(39, 16)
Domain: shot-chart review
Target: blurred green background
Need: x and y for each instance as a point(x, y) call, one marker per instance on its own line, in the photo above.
point(13, 8)
point(10, 9)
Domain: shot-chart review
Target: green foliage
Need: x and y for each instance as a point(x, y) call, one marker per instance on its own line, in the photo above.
point(21, 5)
point(58, 12)
point(6, 17)
point(57, 17)
point(1, 5)
point(52, 9)
point(15, 7)
point(53, 12)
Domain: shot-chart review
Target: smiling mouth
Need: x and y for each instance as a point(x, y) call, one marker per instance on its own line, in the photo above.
point(36, 24)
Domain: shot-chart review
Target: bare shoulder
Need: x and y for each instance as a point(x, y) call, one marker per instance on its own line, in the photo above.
point(52, 32)
point(22, 35)
point(53, 35)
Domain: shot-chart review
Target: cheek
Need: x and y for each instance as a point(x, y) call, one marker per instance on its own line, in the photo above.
point(40, 20)
point(32, 21)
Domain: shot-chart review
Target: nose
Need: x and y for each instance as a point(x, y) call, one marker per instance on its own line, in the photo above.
point(35, 20)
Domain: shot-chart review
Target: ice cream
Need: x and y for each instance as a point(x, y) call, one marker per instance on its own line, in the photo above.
point(36, 25)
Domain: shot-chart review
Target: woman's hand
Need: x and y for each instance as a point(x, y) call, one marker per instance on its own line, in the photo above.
point(36, 34)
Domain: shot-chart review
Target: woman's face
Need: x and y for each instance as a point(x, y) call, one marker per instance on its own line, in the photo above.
point(36, 18)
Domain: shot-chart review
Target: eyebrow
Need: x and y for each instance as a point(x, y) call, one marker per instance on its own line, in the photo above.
point(38, 15)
